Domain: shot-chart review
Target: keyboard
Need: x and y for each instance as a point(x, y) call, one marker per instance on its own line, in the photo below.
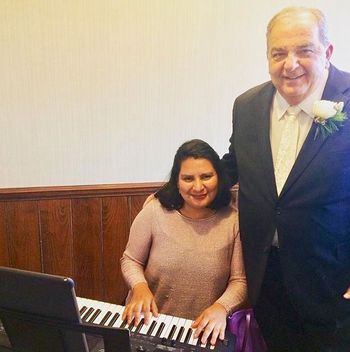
point(164, 333)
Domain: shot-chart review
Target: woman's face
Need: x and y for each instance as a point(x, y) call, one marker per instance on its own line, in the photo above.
point(198, 185)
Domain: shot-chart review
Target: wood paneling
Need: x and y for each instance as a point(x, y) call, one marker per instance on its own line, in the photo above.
point(56, 236)
point(136, 204)
point(87, 247)
point(4, 255)
point(116, 220)
point(23, 235)
point(75, 231)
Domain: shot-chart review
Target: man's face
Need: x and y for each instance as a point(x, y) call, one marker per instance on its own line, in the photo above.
point(297, 58)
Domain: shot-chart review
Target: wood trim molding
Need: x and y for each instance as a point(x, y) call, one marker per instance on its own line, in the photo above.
point(79, 191)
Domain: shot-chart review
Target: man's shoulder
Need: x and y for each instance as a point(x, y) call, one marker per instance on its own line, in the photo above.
point(258, 91)
point(338, 86)
point(336, 72)
point(339, 79)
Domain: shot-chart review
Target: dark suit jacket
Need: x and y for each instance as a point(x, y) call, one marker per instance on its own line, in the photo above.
point(312, 213)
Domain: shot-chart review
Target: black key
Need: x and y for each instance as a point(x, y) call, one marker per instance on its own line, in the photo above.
point(123, 324)
point(172, 332)
point(151, 328)
point(199, 342)
point(160, 329)
point(114, 319)
point(181, 332)
point(188, 335)
point(131, 325)
point(95, 315)
point(87, 314)
point(141, 323)
point(199, 339)
point(82, 310)
point(105, 318)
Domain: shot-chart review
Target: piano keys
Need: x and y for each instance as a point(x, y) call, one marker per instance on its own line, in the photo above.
point(164, 333)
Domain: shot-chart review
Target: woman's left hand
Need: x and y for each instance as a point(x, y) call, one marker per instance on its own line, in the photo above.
point(212, 321)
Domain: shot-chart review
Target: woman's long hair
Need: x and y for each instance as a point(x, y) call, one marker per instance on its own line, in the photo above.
point(169, 195)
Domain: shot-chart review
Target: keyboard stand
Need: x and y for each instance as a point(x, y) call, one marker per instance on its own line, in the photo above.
point(34, 333)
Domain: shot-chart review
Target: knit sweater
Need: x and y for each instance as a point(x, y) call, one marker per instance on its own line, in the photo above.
point(188, 264)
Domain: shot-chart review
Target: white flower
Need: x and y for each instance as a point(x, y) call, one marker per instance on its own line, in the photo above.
point(328, 117)
point(324, 109)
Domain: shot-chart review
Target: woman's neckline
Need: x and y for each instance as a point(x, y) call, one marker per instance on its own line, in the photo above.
point(210, 214)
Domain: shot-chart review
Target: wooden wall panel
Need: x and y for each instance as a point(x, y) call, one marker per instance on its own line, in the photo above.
point(87, 247)
point(76, 231)
point(23, 235)
point(56, 236)
point(116, 220)
point(136, 203)
point(4, 254)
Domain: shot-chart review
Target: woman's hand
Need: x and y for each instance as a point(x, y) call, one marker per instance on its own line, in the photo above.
point(142, 303)
point(347, 293)
point(211, 321)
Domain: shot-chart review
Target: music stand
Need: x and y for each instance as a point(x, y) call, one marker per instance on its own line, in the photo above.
point(39, 313)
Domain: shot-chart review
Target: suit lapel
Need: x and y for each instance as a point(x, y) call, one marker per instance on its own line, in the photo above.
point(311, 145)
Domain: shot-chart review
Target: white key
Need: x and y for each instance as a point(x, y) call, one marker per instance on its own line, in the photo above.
point(180, 323)
point(187, 326)
point(145, 327)
point(89, 303)
point(167, 323)
point(120, 318)
point(107, 309)
point(192, 340)
point(103, 307)
point(115, 309)
point(81, 302)
point(85, 302)
point(160, 320)
point(173, 322)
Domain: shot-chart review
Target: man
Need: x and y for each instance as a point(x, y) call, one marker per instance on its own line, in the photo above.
point(296, 234)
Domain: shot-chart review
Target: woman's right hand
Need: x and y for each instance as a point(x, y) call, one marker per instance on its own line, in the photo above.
point(142, 303)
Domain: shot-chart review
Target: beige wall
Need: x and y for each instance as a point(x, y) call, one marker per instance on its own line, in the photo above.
point(100, 91)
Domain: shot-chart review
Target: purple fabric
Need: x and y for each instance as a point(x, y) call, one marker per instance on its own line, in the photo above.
point(245, 327)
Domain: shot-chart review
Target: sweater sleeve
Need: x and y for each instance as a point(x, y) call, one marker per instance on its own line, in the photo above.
point(137, 250)
point(235, 294)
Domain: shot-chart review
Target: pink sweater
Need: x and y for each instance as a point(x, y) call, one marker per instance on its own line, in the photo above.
point(188, 264)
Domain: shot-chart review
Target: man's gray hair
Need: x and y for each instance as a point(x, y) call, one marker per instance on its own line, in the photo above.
point(292, 11)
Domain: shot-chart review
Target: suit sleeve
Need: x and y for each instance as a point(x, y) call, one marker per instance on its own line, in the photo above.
point(229, 159)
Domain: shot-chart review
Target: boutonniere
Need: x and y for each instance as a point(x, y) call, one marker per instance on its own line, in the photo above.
point(328, 117)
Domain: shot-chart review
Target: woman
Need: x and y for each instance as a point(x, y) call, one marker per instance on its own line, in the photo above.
point(184, 253)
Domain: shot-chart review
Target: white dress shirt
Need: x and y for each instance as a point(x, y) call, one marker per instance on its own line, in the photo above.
point(305, 117)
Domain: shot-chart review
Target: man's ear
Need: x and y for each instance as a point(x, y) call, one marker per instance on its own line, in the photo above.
point(329, 52)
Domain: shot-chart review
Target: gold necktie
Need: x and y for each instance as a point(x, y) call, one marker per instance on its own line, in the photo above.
point(287, 151)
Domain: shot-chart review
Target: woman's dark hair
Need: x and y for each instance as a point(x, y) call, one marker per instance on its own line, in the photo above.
point(169, 195)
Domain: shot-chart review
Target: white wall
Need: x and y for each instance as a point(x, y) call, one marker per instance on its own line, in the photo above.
point(102, 91)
